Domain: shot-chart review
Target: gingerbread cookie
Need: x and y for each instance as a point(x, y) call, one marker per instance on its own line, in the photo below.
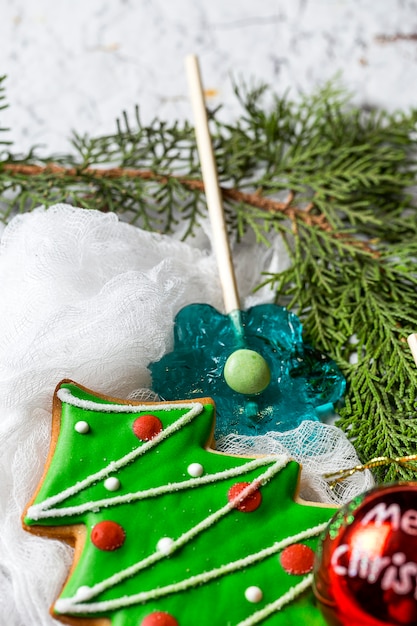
point(167, 531)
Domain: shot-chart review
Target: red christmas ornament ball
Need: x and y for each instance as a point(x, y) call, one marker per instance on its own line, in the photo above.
point(366, 565)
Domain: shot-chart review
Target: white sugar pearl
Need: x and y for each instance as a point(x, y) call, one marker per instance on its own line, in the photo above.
point(83, 593)
point(253, 594)
point(165, 545)
point(112, 484)
point(195, 470)
point(82, 427)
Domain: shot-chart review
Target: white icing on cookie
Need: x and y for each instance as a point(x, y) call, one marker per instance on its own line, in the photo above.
point(39, 511)
point(83, 593)
point(45, 509)
point(73, 606)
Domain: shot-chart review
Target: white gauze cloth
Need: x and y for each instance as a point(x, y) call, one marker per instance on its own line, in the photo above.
point(87, 297)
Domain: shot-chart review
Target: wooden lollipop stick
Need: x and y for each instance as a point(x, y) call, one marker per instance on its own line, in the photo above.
point(221, 243)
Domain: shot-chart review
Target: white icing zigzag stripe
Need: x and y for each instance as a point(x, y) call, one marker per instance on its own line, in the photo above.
point(36, 511)
point(127, 498)
point(45, 509)
point(66, 396)
point(187, 536)
point(65, 605)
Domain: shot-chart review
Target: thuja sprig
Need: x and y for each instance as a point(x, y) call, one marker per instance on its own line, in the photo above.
point(360, 307)
point(333, 179)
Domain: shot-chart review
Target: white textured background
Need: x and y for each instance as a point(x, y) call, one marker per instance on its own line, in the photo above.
point(75, 64)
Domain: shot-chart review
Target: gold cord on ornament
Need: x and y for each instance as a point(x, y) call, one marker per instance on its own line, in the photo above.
point(336, 477)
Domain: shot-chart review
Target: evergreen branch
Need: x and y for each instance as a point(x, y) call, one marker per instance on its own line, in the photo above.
point(81, 174)
point(361, 310)
point(334, 180)
point(256, 200)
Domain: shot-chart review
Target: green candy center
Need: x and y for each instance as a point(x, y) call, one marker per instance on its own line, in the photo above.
point(246, 371)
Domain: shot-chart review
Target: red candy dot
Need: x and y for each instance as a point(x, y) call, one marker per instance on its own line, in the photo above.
point(108, 535)
point(297, 559)
point(159, 618)
point(248, 504)
point(146, 427)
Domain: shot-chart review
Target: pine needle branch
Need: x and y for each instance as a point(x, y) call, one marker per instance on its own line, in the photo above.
point(334, 180)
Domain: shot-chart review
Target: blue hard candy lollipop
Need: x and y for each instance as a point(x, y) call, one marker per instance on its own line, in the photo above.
point(253, 363)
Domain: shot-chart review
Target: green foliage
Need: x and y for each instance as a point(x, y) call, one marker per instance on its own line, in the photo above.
point(336, 182)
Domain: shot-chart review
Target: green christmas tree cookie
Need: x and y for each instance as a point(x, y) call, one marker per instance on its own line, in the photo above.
point(168, 532)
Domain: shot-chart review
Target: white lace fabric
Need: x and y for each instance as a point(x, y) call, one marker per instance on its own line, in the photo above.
point(87, 297)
